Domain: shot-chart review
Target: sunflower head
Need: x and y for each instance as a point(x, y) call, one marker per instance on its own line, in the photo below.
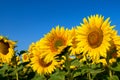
point(6, 49)
point(54, 42)
point(114, 51)
point(41, 66)
point(74, 49)
point(58, 38)
point(94, 36)
point(25, 57)
point(38, 60)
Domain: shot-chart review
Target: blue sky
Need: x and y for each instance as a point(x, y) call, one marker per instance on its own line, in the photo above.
point(26, 21)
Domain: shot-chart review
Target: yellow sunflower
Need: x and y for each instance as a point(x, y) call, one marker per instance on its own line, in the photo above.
point(55, 41)
point(38, 61)
point(73, 48)
point(94, 36)
point(42, 67)
point(114, 51)
point(25, 57)
point(6, 49)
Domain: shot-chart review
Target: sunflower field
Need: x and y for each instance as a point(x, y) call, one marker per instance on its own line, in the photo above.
point(89, 51)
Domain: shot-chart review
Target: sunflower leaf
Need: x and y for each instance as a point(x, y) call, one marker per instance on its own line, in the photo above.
point(59, 75)
point(75, 62)
point(76, 73)
point(39, 77)
point(115, 68)
point(21, 52)
point(3, 69)
point(114, 77)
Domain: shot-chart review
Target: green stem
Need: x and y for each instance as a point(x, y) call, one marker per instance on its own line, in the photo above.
point(89, 76)
point(46, 76)
point(67, 64)
point(16, 72)
point(110, 74)
point(17, 76)
point(110, 71)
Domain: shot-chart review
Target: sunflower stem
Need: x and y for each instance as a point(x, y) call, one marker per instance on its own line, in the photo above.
point(110, 74)
point(16, 72)
point(88, 75)
point(15, 61)
point(47, 76)
point(67, 64)
point(110, 71)
point(17, 75)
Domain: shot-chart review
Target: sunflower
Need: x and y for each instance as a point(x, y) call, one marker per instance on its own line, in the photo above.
point(73, 48)
point(114, 51)
point(55, 41)
point(42, 67)
point(38, 61)
point(6, 49)
point(25, 57)
point(94, 36)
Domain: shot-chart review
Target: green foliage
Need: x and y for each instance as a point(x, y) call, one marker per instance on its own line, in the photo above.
point(58, 75)
point(81, 70)
point(39, 77)
point(116, 66)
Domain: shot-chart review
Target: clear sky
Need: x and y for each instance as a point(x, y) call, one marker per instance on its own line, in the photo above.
point(26, 21)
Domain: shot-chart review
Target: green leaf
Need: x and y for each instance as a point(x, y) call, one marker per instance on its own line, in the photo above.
point(59, 75)
point(96, 71)
point(76, 63)
point(21, 52)
point(114, 77)
point(39, 77)
point(115, 68)
point(77, 73)
point(3, 69)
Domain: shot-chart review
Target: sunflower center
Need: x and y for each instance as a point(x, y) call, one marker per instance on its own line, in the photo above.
point(4, 47)
point(25, 57)
point(43, 63)
point(95, 39)
point(58, 43)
